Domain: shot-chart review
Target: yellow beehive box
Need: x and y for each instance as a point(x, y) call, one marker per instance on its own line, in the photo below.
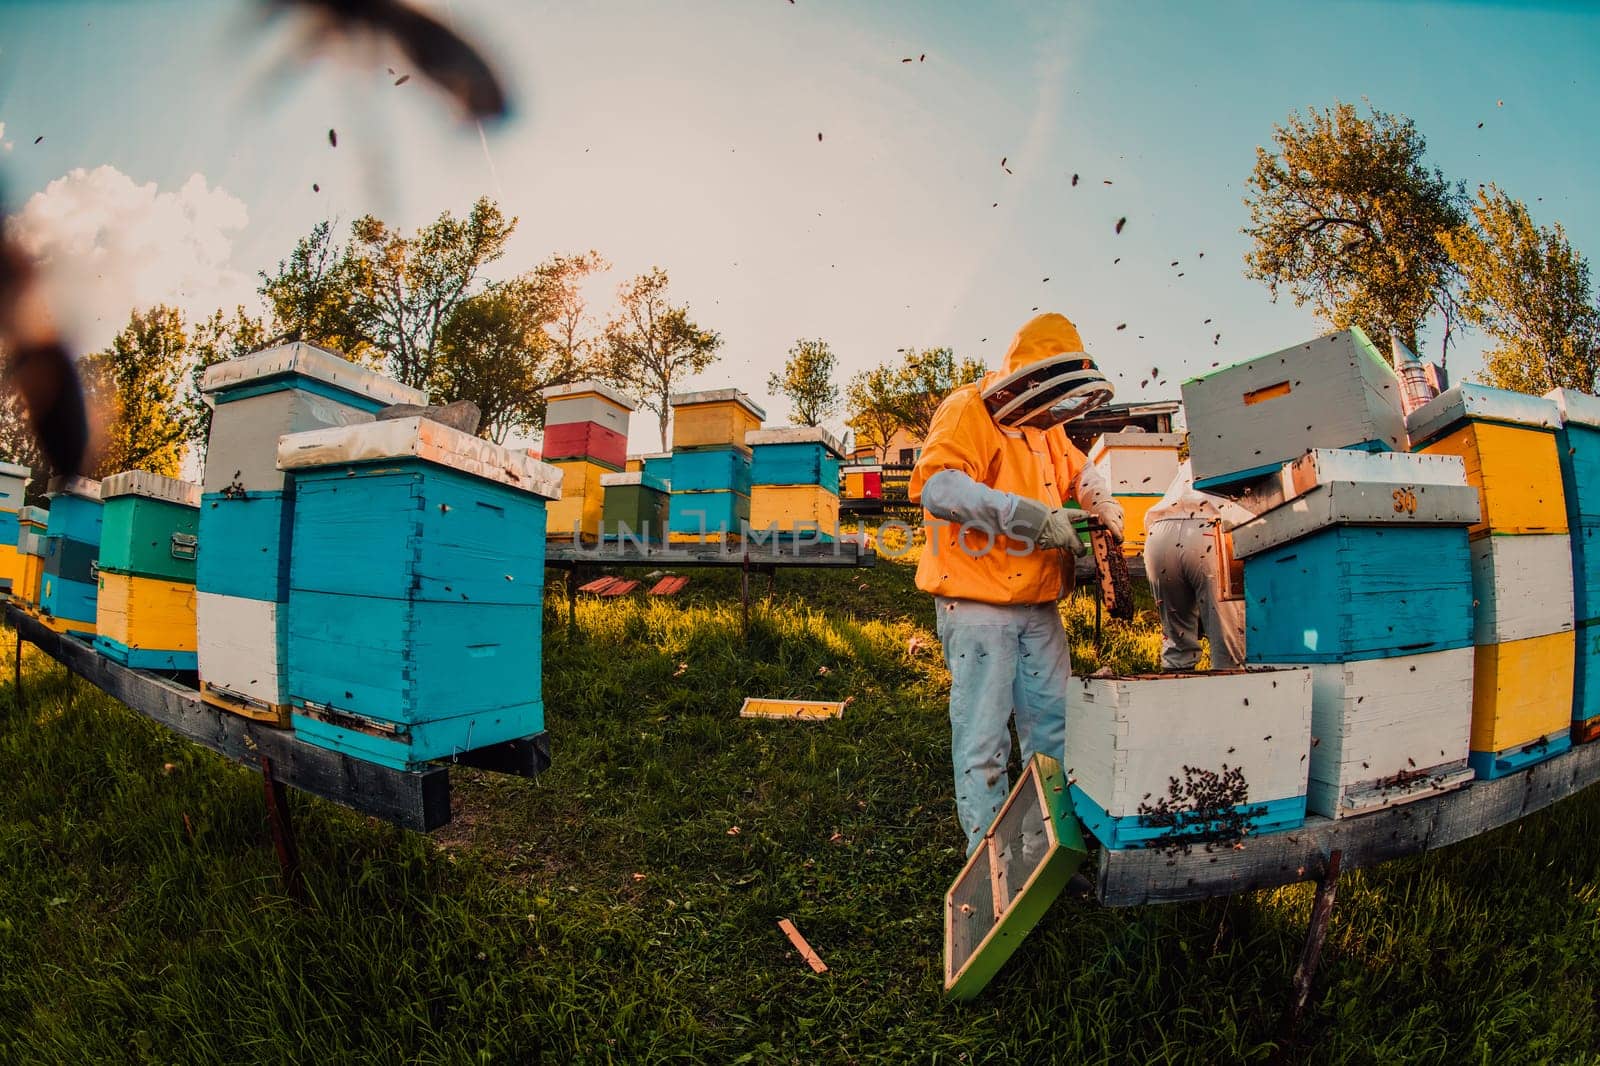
point(1134, 508)
point(790, 508)
point(145, 622)
point(582, 500)
point(634, 464)
point(717, 418)
point(26, 589)
point(10, 568)
point(1521, 702)
point(1508, 443)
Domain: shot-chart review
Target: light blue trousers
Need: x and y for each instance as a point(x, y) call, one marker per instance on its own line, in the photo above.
point(1003, 661)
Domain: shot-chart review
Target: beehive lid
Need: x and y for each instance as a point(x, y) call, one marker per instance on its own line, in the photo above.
point(556, 393)
point(1467, 401)
point(86, 487)
point(1321, 466)
point(423, 439)
point(691, 399)
point(35, 515)
point(1107, 441)
point(310, 361)
point(652, 455)
point(15, 470)
point(1385, 504)
point(1577, 408)
point(636, 477)
point(795, 435)
point(155, 486)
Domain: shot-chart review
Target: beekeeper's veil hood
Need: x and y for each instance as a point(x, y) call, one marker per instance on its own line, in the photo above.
point(1047, 379)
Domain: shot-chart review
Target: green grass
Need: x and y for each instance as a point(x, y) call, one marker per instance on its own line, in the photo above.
point(604, 912)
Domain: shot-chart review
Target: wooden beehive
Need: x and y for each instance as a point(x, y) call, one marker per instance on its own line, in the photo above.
point(13, 482)
point(1246, 420)
point(1521, 703)
point(145, 613)
point(809, 511)
point(1138, 754)
point(712, 470)
point(67, 588)
point(1136, 464)
point(658, 465)
point(1508, 441)
point(635, 506)
point(13, 485)
point(242, 655)
point(32, 522)
point(1358, 592)
point(150, 526)
point(587, 402)
point(287, 389)
point(1388, 731)
point(416, 590)
point(716, 418)
point(577, 514)
point(1578, 451)
point(1018, 869)
point(798, 455)
point(586, 420)
point(862, 482)
point(707, 516)
point(147, 623)
point(1522, 587)
point(1412, 473)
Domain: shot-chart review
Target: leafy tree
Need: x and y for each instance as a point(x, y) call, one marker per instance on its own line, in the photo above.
point(1346, 216)
point(558, 281)
point(494, 351)
point(215, 340)
point(922, 381)
point(406, 287)
point(1527, 288)
point(870, 409)
point(137, 382)
point(312, 297)
point(807, 380)
point(652, 345)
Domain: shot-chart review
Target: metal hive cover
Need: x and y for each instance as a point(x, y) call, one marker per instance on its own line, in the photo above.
point(1021, 866)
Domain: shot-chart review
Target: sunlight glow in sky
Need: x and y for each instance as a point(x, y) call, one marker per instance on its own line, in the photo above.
point(684, 134)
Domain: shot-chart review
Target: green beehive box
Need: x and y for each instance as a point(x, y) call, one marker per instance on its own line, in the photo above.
point(149, 526)
point(635, 500)
point(1019, 868)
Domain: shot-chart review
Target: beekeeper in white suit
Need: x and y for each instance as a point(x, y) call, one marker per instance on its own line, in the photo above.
point(1180, 558)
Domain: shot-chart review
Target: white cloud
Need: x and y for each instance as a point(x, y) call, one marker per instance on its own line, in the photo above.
point(109, 245)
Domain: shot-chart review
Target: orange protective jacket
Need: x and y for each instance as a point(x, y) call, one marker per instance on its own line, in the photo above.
point(1042, 465)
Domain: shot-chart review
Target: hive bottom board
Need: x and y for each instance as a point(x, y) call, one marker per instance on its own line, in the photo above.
point(1521, 703)
point(421, 743)
point(1133, 831)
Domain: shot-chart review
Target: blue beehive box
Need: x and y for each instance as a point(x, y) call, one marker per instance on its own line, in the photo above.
point(1578, 449)
point(415, 590)
point(805, 455)
point(68, 592)
point(657, 465)
point(707, 515)
point(247, 509)
point(711, 470)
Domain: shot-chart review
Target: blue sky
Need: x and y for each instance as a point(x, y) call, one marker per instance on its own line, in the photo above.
point(685, 135)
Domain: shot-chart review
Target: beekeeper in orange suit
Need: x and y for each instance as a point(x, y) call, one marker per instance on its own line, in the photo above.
point(994, 478)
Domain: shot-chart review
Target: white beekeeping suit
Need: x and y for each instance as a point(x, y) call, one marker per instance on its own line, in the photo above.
point(1180, 558)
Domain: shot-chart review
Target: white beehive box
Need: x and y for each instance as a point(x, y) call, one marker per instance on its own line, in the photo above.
point(241, 652)
point(1388, 730)
point(288, 389)
point(587, 401)
point(1358, 504)
point(1142, 464)
point(1323, 466)
point(1523, 587)
point(13, 483)
point(1337, 391)
point(1130, 736)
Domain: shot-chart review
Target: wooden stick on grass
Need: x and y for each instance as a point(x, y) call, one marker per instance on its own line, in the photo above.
point(801, 946)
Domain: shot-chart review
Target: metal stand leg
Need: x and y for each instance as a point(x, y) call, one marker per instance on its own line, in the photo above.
point(1321, 911)
point(744, 599)
point(283, 841)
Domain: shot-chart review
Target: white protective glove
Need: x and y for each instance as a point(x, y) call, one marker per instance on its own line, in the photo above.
point(1095, 496)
